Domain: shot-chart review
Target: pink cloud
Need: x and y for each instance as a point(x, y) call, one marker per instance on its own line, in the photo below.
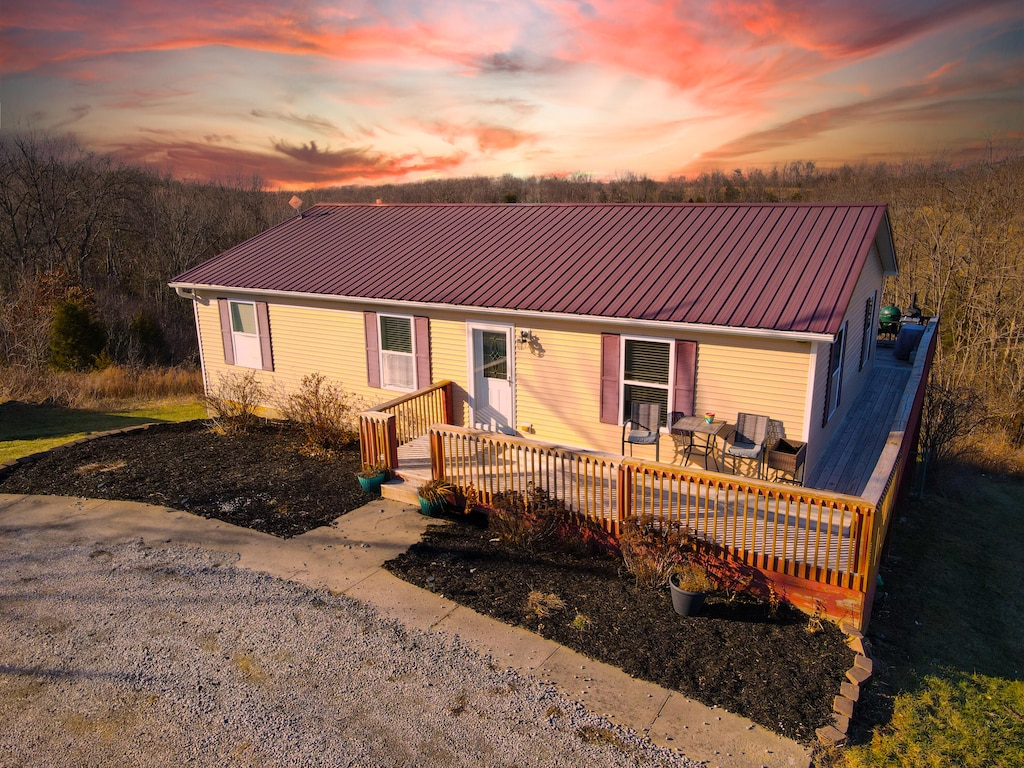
point(735, 52)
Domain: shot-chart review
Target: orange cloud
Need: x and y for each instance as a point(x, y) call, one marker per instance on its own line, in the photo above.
point(36, 35)
point(928, 101)
point(488, 138)
point(283, 166)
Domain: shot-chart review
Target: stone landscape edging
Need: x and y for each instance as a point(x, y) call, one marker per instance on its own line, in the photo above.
point(857, 676)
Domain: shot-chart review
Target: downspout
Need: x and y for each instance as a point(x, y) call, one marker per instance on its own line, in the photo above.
point(190, 294)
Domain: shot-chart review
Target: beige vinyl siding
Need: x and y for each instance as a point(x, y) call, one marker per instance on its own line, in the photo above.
point(558, 382)
point(868, 282)
point(760, 376)
point(331, 340)
point(559, 393)
point(448, 350)
point(304, 340)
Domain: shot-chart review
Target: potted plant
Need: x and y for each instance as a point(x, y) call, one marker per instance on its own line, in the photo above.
point(689, 584)
point(434, 495)
point(371, 476)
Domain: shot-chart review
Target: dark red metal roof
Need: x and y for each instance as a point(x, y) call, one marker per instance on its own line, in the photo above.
point(783, 267)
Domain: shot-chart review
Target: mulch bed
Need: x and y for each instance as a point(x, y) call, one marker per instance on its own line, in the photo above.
point(736, 654)
point(258, 479)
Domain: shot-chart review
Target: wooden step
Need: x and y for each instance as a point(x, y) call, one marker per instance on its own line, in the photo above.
point(402, 489)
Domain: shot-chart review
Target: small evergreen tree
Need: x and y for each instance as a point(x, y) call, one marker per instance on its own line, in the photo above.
point(76, 337)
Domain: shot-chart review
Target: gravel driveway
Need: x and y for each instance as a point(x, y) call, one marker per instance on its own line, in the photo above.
point(143, 655)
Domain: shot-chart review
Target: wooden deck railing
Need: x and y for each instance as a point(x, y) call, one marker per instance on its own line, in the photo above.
point(897, 459)
point(798, 532)
point(799, 537)
point(397, 422)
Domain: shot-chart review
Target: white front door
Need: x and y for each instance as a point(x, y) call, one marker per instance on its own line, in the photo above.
point(491, 360)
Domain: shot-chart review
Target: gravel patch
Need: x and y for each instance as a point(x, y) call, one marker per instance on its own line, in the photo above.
point(143, 655)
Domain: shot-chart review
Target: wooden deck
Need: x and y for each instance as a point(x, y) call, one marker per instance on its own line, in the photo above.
point(819, 543)
point(845, 467)
point(850, 459)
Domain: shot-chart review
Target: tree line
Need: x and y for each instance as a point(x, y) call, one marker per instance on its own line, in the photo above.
point(88, 244)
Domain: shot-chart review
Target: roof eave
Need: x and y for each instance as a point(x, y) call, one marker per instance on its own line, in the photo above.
point(184, 289)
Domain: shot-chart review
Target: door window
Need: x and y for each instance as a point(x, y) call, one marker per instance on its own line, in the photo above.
point(495, 355)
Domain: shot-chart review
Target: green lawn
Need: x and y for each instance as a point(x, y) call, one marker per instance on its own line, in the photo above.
point(27, 428)
point(948, 624)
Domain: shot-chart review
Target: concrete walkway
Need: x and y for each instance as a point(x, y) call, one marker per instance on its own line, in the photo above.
point(347, 556)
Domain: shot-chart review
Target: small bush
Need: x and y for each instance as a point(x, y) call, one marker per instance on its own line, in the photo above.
point(234, 404)
point(535, 519)
point(652, 550)
point(523, 519)
point(76, 337)
point(691, 577)
point(329, 415)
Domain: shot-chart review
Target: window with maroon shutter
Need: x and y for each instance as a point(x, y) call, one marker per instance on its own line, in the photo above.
point(397, 351)
point(646, 370)
point(245, 333)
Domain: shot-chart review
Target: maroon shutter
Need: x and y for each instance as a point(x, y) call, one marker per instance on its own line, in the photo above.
point(610, 378)
point(422, 330)
point(263, 326)
point(225, 331)
point(684, 394)
point(372, 349)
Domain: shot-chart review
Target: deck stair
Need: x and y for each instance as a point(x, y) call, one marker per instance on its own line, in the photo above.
point(413, 470)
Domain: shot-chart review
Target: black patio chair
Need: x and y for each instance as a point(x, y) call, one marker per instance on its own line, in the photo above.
point(643, 428)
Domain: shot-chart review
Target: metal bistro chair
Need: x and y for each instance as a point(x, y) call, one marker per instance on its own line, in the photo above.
point(747, 441)
point(642, 428)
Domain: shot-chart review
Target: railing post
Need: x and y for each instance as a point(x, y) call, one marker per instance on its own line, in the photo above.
point(436, 454)
point(365, 440)
point(448, 403)
point(392, 441)
point(624, 498)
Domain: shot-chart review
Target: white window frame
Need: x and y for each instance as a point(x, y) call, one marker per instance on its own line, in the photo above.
point(242, 343)
point(623, 382)
point(835, 372)
point(383, 353)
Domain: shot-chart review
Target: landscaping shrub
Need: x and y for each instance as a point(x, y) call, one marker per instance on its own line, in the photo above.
point(533, 519)
point(653, 549)
point(329, 415)
point(234, 404)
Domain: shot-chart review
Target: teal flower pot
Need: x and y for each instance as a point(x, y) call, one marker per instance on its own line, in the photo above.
point(431, 508)
point(372, 484)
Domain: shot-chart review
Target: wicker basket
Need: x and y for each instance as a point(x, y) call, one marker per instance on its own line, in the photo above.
point(787, 455)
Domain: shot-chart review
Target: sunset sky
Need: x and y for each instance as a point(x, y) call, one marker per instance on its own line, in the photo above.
point(315, 93)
